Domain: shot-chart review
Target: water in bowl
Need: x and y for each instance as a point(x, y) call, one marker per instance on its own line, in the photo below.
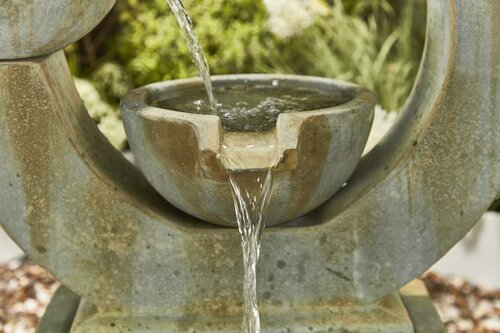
point(255, 108)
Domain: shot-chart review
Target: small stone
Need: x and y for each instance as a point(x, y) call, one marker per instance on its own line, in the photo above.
point(25, 291)
point(492, 324)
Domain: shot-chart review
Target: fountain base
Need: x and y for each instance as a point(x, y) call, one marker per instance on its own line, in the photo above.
point(410, 310)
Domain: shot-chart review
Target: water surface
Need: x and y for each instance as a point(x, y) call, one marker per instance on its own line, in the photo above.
point(250, 108)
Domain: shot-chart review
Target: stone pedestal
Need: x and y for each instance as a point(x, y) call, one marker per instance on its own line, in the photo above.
point(408, 311)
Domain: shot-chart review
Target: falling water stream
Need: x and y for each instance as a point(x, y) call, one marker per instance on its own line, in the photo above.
point(251, 194)
point(251, 190)
point(244, 109)
point(199, 57)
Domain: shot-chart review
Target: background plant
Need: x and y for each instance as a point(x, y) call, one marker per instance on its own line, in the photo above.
point(372, 43)
point(376, 43)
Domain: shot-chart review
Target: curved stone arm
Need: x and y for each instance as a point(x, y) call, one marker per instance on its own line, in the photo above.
point(438, 170)
point(80, 210)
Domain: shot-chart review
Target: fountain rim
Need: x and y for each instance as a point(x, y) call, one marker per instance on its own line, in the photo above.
point(139, 99)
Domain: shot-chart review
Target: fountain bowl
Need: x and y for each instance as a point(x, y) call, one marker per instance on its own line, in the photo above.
point(185, 156)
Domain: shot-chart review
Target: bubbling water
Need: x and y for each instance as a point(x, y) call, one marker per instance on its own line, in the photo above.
point(251, 108)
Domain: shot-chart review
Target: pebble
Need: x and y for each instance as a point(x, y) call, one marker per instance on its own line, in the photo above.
point(464, 307)
point(25, 292)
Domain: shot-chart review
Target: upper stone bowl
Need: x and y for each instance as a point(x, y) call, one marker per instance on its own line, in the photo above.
point(185, 156)
point(32, 28)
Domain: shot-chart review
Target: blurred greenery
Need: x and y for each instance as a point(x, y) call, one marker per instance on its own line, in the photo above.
point(140, 42)
point(145, 44)
point(233, 34)
point(375, 43)
point(372, 43)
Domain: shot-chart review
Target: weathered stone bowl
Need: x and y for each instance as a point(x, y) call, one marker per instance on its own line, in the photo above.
point(31, 28)
point(186, 156)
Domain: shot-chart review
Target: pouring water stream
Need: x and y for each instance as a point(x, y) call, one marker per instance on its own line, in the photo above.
point(251, 190)
point(192, 42)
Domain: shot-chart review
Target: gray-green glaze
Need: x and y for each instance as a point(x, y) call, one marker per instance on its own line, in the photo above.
point(77, 207)
point(30, 28)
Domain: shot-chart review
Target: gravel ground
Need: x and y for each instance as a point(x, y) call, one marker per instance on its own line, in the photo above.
point(25, 292)
point(464, 307)
point(26, 289)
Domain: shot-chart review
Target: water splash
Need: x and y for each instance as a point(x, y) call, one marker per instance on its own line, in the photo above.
point(251, 195)
point(192, 42)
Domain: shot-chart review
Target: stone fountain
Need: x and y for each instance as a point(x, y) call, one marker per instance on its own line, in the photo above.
point(332, 262)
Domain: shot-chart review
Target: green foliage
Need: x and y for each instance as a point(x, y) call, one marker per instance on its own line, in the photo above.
point(375, 43)
point(107, 117)
point(379, 51)
point(359, 8)
point(112, 79)
point(232, 33)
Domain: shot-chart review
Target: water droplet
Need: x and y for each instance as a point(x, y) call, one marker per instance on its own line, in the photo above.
point(199, 103)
